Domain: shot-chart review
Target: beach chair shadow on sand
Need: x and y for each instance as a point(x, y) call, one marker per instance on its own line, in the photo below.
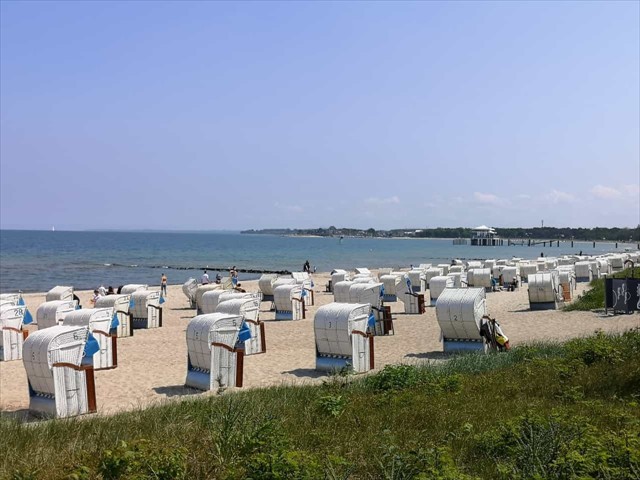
point(305, 372)
point(434, 355)
point(176, 390)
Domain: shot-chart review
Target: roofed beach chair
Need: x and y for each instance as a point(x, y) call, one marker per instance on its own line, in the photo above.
point(248, 307)
point(545, 292)
point(59, 293)
point(437, 285)
point(215, 355)
point(12, 319)
point(342, 341)
point(289, 301)
point(201, 290)
point(102, 326)
point(189, 289)
point(60, 385)
point(146, 309)
point(120, 304)
point(266, 284)
point(459, 312)
point(371, 293)
point(133, 287)
point(52, 313)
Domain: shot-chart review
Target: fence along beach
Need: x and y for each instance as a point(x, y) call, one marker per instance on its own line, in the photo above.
point(152, 364)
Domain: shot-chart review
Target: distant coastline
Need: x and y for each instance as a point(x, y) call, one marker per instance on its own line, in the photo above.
point(597, 234)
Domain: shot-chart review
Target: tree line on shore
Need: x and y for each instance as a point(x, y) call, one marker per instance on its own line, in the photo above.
point(536, 233)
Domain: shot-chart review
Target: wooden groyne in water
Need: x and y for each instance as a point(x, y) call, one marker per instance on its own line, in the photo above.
point(207, 267)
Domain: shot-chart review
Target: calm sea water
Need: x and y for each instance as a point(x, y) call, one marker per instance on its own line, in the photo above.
point(39, 260)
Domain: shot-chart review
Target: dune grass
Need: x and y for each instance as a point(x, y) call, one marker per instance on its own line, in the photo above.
point(541, 411)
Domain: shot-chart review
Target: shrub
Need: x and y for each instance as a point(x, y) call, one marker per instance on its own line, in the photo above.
point(422, 463)
point(141, 459)
point(564, 447)
point(332, 404)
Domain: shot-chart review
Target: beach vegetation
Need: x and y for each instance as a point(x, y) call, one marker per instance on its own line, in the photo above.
point(548, 410)
point(593, 298)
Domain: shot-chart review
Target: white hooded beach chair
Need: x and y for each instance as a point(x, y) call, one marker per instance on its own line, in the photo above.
point(289, 302)
point(445, 268)
point(418, 280)
point(282, 280)
point(120, 305)
point(545, 292)
point(53, 312)
point(11, 299)
point(13, 336)
point(215, 357)
point(510, 274)
point(201, 290)
point(567, 280)
point(249, 308)
point(59, 293)
point(211, 299)
point(413, 302)
point(603, 266)
point(133, 287)
point(479, 277)
point(341, 291)
point(616, 263)
point(102, 326)
point(371, 293)
point(363, 279)
point(60, 385)
point(595, 269)
point(430, 273)
point(337, 275)
point(266, 284)
point(459, 312)
point(583, 271)
point(304, 279)
point(473, 264)
point(457, 279)
point(146, 309)
point(527, 269)
point(392, 282)
point(189, 289)
point(341, 337)
point(437, 285)
point(363, 271)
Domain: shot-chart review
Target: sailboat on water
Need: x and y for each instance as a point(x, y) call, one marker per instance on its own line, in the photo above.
point(53, 229)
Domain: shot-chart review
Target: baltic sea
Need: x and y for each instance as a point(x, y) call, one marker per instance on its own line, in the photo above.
point(38, 260)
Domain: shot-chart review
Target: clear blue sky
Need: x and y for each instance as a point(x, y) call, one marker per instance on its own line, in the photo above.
point(212, 115)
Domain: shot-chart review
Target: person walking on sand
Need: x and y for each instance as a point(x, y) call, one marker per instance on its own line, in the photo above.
point(163, 284)
point(234, 276)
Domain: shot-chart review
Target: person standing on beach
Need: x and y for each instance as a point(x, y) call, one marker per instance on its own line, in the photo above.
point(234, 276)
point(205, 278)
point(96, 296)
point(163, 284)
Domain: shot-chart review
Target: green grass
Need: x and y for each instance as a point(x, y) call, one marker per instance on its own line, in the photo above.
point(593, 298)
point(540, 411)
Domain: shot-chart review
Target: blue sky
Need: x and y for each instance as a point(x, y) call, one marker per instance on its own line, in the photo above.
point(213, 115)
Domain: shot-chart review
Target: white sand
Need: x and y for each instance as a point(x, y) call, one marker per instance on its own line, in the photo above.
point(152, 364)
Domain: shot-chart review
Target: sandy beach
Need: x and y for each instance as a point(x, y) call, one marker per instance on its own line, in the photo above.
point(152, 364)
